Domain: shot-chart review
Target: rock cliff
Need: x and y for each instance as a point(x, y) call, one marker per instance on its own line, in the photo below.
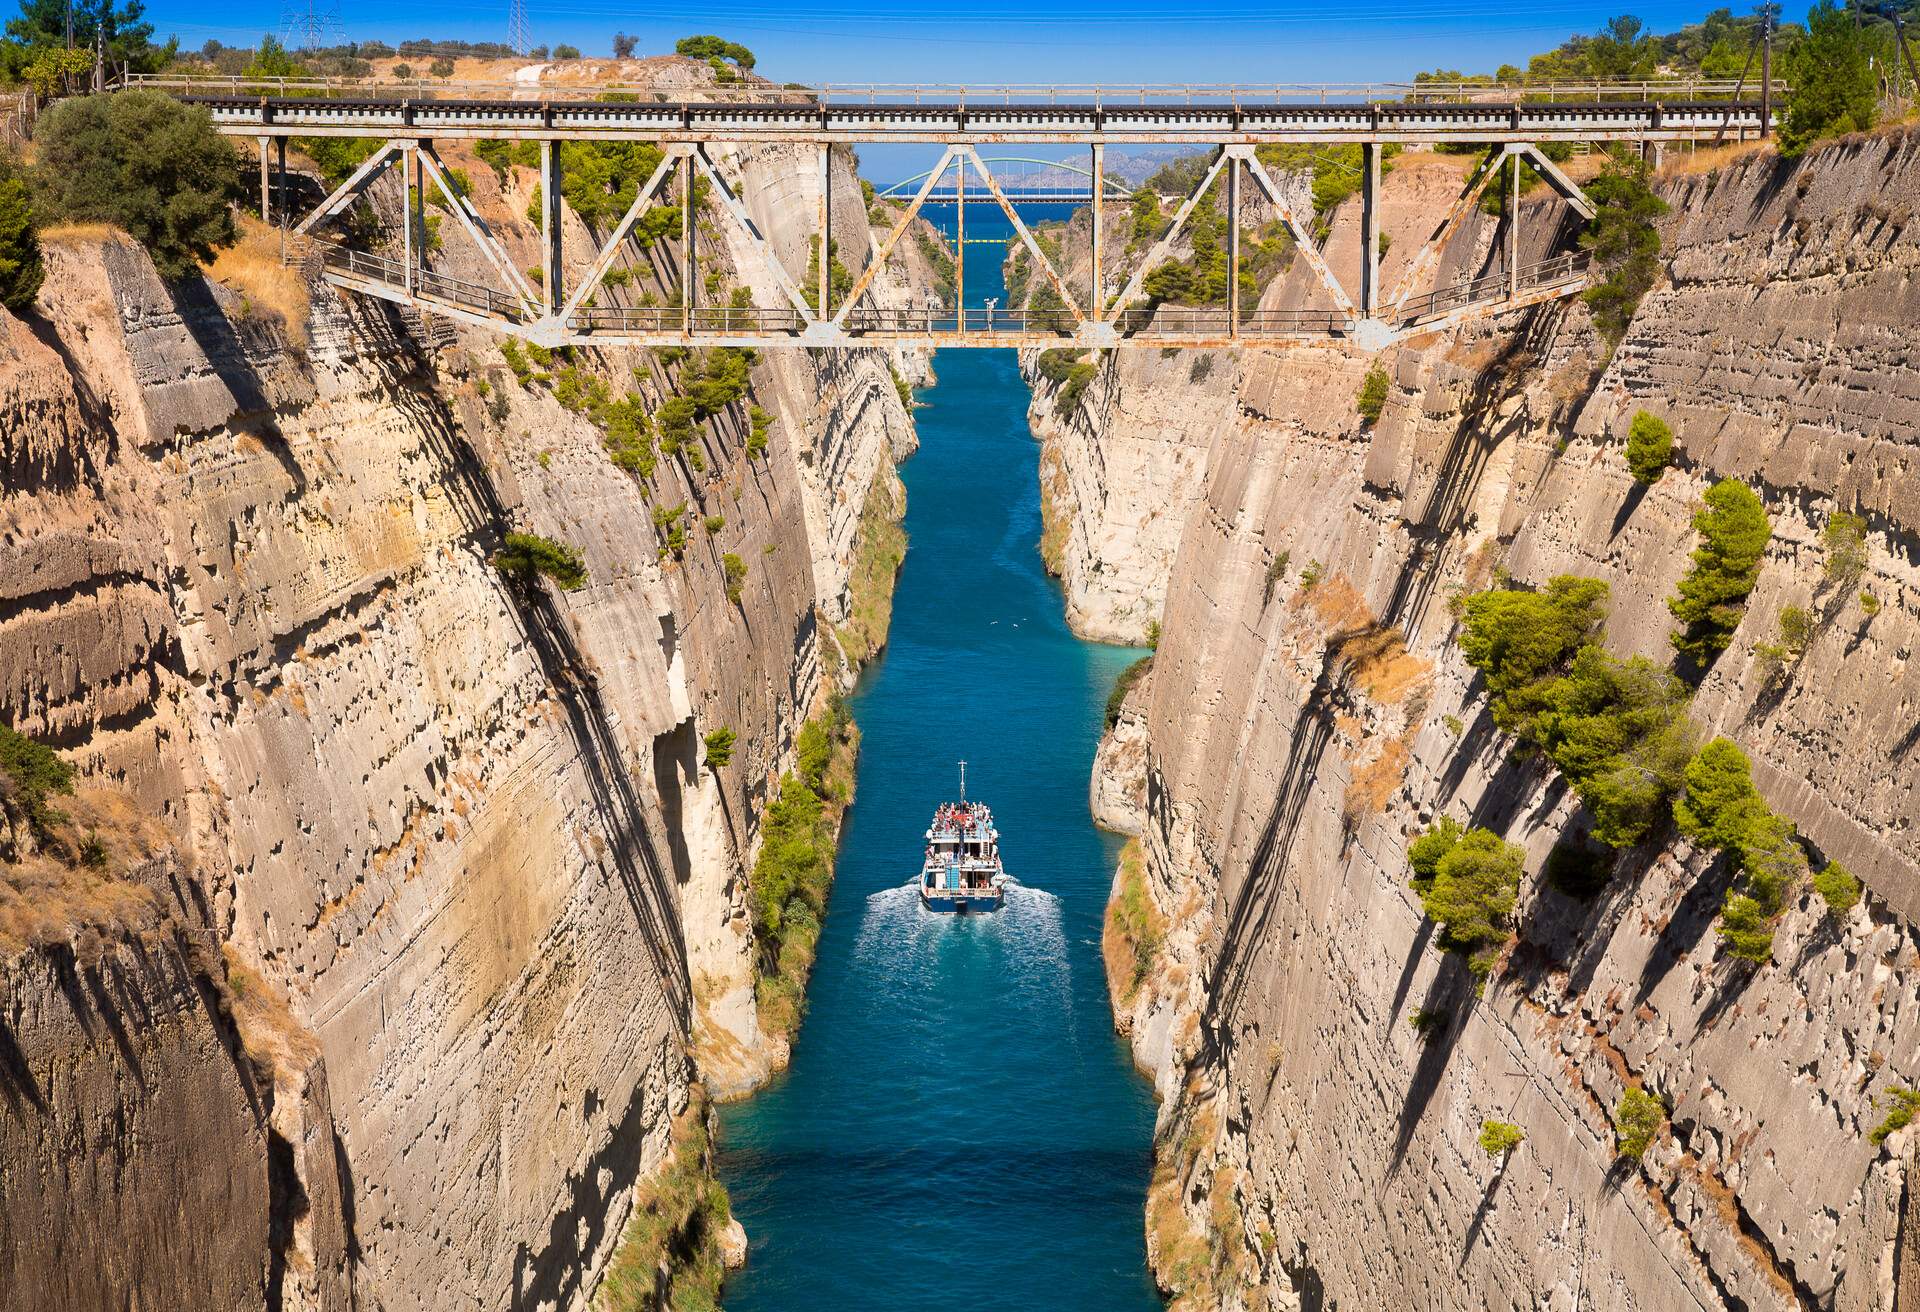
point(455, 899)
point(1327, 1069)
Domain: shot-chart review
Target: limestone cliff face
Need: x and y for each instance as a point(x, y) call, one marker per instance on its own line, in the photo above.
point(1310, 712)
point(455, 835)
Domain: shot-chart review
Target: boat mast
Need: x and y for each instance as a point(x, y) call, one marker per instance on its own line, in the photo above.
point(963, 781)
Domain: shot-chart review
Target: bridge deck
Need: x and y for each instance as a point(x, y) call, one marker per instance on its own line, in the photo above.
point(756, 121)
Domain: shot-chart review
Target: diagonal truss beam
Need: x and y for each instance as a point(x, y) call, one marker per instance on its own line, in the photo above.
point(348, 191)
point(868, 274)
point(1569, 190)
point(756, 237)
point(476, 227)
point(1019, 226)
point(1302, 239)
point(611, 249)
point(1425, 258)
point(1161, 247)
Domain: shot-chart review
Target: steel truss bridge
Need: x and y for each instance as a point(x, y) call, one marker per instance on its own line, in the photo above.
point(1230, 122)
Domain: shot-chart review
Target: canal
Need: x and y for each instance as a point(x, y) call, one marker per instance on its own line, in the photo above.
point(960, 1127)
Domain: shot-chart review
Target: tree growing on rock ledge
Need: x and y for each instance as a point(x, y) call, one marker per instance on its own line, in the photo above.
point(145, 163)
point(1649, 447)
point(1624, 242)
point(1734, 532)
point(1833, 80)
point(528, 555)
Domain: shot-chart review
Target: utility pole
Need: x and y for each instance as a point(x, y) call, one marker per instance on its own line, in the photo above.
point(1766, 70)
point(517, 38)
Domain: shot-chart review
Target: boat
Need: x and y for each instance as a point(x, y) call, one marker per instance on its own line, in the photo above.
point(962, 871)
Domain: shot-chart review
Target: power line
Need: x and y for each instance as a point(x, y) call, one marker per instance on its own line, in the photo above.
point(309, 24)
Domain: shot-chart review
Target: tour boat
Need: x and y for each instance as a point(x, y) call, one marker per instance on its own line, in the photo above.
point(962, 871)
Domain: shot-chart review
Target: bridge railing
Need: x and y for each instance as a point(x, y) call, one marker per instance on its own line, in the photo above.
point(720, 319)
point(1211, 320)
point(1680, 87)
point(426, 282)
point(1567, 267)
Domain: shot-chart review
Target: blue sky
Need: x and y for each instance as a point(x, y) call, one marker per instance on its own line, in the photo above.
point(997, 40)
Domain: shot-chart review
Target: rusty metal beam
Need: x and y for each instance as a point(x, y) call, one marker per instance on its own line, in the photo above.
point(477, 229)
point(1019, 226)
point(1098, 300)
point(1165, 244)
point(358, 181)
point(868, 274)
point(761, 246)
point(642, 199)
point(1559, 181)
point(1302, 238)
point(1424, 259)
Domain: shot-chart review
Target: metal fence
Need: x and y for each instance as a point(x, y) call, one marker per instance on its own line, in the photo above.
point(1568, 267)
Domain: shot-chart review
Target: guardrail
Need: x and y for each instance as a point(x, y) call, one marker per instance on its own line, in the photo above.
point(1442, 301)
point(673, 319)
point(920, 93)
point(427, 283)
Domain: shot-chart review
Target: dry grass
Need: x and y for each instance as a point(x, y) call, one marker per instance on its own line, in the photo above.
point(1374, 783)
point(1374, 656)
point(67, 234)
point(1691, 164)
point(54, 893)
point(1134, 927)
point(272, 1035)
point(880, 549)
point(267, 287)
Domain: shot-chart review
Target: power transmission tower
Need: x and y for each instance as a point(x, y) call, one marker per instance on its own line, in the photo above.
point(518, 37)
point(308, 24)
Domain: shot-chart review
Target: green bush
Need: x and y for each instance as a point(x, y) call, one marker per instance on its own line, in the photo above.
point(1719, 793)
point(1071, 373)
point(1619, 731)
point(1845, 538)
point(147, 164)
point(1832, 75)
point(1734, 532)
point(719, 746)
point(1499, 1138)
point(1424, 852)
point(736, 571)
point(527, 555)
point(1624, 242)
point(1636, 1120)
point(714, 47)
point(1372, 400)
point(1838, 888)
point(1901, 1104)
point(1519, 640)
point(1472, 895)
point(757, 438)
point(21, 270)
point(1649, 447)
point(1429, 1023)
point(30, 773)
point(1122, 685)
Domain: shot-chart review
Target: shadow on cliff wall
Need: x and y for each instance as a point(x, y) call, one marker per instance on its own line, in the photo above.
point(469, 485)
point(1449, 994)
point(1258, 897)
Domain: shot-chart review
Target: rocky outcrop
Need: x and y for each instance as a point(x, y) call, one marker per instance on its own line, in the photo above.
point(1327, 1068)
point(462, 827)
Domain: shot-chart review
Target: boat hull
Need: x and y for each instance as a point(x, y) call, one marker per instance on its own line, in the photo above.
point(962, 901)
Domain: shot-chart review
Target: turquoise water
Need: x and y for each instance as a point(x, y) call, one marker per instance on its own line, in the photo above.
point(960, 1128)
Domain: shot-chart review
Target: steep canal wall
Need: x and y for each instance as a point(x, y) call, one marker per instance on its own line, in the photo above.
point(1327, 1069)
point(420, 900)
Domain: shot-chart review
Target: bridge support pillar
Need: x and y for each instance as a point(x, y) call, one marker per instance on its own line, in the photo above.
point(1233, 246)
point(1513, 228)
point(1370, 230)
point(551, 224)
point(1099, 297)
point(407, 225)
point(266, 205)
point(826, 231)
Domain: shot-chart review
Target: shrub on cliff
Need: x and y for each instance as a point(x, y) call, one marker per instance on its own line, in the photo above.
point(1620, 733)
point(1838, 888)
point(1424, 853)
point(21, 271)
point(147, 164)
point(30, 773)
point(736, 572)
point(719, 745)
point(1835, 87)
point(1734, 532)
point(1472, 896)
point(528, 555)
point(1636, 1121)
point(1123, 685)
point(1649, 447)
point(1499, 1138)
point(1372, 400)
point(1519, 640)
point(1901, 1103)
point(1624, 242)
point(1845, 538)
point(1721, 808)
